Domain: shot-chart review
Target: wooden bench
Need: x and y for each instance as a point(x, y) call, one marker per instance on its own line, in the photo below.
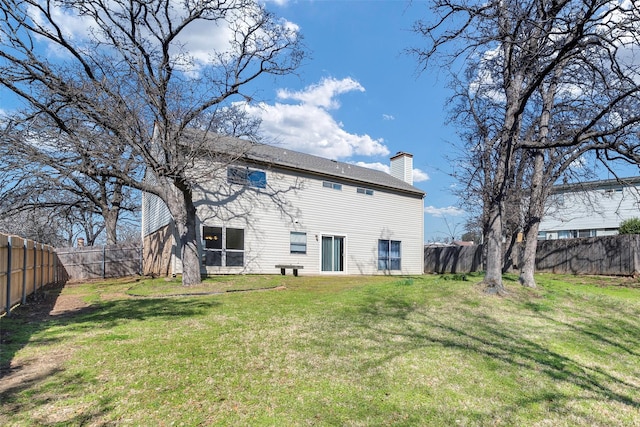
point(283, 268)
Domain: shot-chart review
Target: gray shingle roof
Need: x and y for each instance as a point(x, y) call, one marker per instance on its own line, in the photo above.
point(594, 185)
point(270, 155)
point(294, 160)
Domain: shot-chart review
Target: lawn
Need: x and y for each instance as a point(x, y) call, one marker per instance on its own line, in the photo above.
point(327, 351)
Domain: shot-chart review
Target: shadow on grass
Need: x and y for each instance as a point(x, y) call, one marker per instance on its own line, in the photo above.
point(17, 328)
point(41, 379)
point(45, 388)
point(34, 319)
point(508, 349)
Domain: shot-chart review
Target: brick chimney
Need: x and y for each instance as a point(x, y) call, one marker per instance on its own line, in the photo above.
point(402, 167)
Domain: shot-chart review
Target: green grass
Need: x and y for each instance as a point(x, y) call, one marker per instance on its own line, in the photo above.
point(333, 351)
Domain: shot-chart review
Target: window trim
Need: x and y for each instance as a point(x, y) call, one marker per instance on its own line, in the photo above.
point(224, 252)
point(386, 261)
point(365, 191)
point(246, 176)
point(297, 244)
point(332, 185)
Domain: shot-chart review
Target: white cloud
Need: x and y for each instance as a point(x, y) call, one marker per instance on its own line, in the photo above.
point(442, 212)
point(199, 44)
point(307, 125)
point(420, 175)
point(322, 94)
point(388, 117)
point(375, 166)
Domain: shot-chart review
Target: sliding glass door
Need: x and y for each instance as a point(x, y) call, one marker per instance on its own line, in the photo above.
point(333, 253)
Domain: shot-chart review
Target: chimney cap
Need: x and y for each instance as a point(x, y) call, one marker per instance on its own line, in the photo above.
point(400, 154)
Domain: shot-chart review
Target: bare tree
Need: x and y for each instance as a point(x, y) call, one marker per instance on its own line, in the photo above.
point(137, 80)
point(45, 178)
point(518, 48)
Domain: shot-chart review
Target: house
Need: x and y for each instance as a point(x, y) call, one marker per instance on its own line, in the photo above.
point(590, 209)
point(272, 206)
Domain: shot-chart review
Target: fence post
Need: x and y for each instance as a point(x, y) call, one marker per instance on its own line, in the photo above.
point(8, 302)
point(41, 266)
point(35, 262)
point(24, 272)
point(55, 268)
point(104, 261)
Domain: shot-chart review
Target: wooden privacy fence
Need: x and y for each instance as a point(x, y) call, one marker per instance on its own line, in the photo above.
point(606, 255)
point(99, 262)
point(25, 267)
point(452, 259)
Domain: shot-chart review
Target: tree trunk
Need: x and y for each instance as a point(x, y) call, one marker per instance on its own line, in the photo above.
point(538, 192)
point(534, 215)
point(187, 238)
point(529, 257)
point(493, 275)
point(183, 211)
point(110, 225)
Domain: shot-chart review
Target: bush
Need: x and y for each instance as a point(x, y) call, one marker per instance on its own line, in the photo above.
point(630, 226)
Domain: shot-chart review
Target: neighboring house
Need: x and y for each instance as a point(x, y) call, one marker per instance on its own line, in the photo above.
point(275, 206)
point(590, 209)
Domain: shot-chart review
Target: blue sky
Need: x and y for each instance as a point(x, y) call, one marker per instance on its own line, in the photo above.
point(359, 97)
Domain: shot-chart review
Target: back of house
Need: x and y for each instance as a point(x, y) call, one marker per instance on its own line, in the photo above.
point(273, 207)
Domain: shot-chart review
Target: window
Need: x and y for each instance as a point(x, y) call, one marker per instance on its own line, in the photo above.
point(367, 191)
point(567, 234)
point(586, 233)
point(612, 191)
point(246, 176)
point(229, 254)
point(333, 185)
point(235, 247)
point(389, 255)
point(298, 243)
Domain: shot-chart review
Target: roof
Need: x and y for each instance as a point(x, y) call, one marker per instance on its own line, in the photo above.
point(270, 155)
point(594, 185)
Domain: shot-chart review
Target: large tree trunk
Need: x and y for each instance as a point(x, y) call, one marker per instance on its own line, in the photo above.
point(110, 225)
point(529, 257)
point(183, 211)
point(189, 251)
point(538, 192)
point(534, 215)
point(112, 213)
point(493, 275)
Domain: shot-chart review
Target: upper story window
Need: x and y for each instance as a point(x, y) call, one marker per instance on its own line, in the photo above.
point(610, 192)
point(367, 191)
point(334, 185)
point(245, 176)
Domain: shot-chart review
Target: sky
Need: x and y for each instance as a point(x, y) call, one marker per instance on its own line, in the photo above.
point(358, 97)
point(361, 98)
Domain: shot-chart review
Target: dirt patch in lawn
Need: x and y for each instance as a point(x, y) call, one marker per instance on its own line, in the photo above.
point(46, 304)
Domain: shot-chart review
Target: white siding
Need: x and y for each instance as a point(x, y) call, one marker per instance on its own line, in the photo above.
point(300, 203)
point(155, 214)
point(597, 209)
